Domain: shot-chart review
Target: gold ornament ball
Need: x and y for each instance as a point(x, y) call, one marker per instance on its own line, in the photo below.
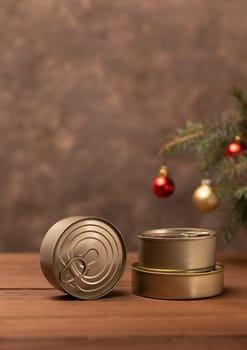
point(205, 198)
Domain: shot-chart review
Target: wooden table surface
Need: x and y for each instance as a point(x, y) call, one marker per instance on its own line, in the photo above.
point(36, 316)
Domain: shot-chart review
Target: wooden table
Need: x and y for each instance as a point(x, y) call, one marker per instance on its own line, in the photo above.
point(36, 316)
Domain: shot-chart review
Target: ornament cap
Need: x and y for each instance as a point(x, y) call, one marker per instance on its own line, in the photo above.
point(206, 182)
point(238, 139)
point(163, 171)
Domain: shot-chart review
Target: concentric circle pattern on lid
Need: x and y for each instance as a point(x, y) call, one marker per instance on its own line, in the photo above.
point(83, 256)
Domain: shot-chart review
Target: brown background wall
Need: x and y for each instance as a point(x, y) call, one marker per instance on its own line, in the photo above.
point(89, 90)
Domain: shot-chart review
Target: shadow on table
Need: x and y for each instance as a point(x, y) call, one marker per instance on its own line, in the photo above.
point(229, 292)
point(112, 294)
point(232, 292)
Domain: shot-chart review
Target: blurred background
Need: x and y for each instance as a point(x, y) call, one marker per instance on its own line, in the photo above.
point(89, 92)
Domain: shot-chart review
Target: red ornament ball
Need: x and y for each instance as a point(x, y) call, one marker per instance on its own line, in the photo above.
point(234, 148)
point(163, 186)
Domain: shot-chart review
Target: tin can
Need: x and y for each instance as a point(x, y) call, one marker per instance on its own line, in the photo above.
point(83, 256)
point(177, 285)
point(177, 249)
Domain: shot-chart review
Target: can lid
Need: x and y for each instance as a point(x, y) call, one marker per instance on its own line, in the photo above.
point(83, 256)
point(176, 233)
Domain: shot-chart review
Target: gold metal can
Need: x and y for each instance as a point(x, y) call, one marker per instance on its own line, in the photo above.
point(177, 249)
point(83, 256)
point(161, 284)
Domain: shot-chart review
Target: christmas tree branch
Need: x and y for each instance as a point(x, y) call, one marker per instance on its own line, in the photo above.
point(185, 139)
point(231, 167)
point(241, 192)
point(182, 139)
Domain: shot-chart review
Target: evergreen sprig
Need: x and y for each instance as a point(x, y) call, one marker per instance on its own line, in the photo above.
point(184, 139)
point(229, 174)
point(232, 168)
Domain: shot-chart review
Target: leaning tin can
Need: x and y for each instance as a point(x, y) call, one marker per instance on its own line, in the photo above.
point(177, 249)
point(83, 256)
point(162, 284)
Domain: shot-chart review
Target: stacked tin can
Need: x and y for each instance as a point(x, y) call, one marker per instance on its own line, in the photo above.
point(177, 263)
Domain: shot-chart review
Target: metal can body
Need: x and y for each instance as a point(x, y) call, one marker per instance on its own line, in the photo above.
point(177, 285)
point(177, 249)
point(83, 256)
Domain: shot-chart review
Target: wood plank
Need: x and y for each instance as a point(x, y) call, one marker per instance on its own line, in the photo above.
point(133, 343)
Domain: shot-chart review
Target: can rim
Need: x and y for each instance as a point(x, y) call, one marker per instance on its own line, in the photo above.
point(176, 271)
point(174, 233)
point(219, 267)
